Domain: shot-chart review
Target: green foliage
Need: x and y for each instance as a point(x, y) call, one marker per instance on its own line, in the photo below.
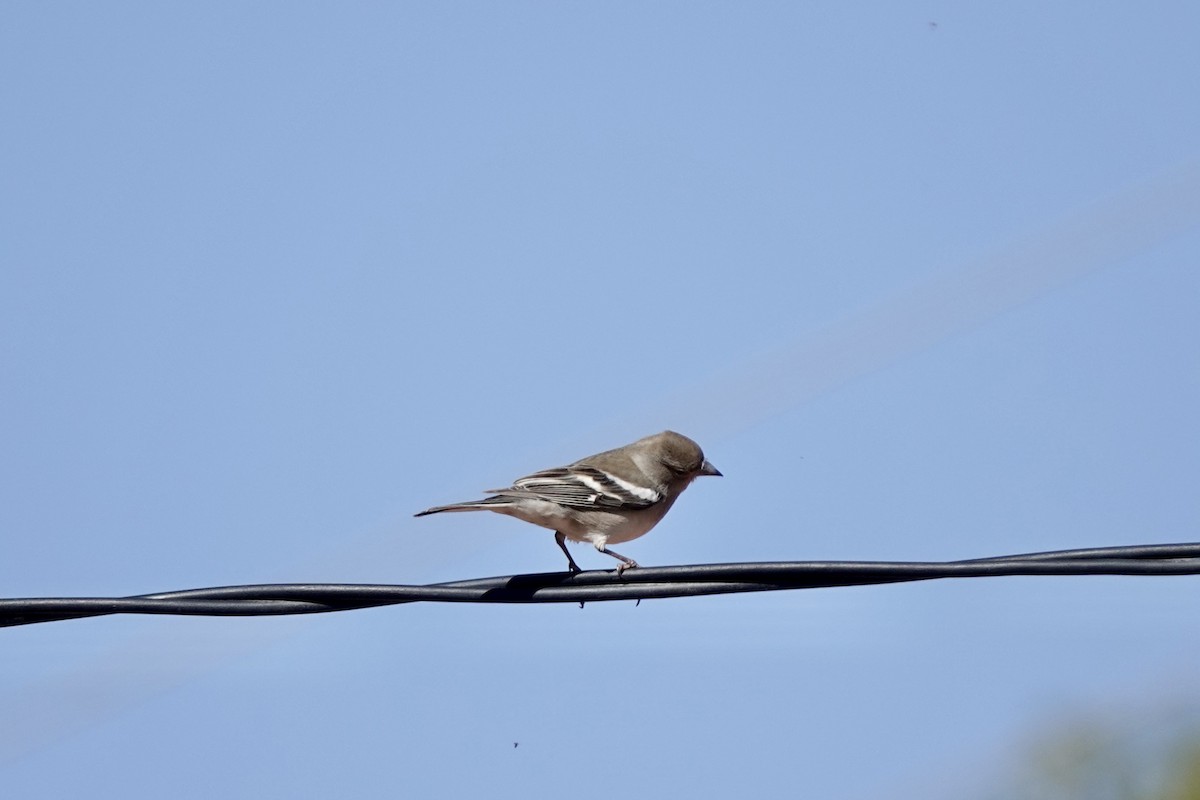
point(1094, 758)
point(1183, 776)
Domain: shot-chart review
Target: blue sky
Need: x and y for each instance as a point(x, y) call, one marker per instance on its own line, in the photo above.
point(921, 278)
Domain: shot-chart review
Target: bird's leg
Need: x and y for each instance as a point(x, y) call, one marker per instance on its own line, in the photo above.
point(562, 542)
point(626, 562)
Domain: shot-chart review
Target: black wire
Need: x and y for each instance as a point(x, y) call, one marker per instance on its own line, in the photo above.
point(641, 583)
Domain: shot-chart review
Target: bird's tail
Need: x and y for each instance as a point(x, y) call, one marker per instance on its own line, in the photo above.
point(474, 505)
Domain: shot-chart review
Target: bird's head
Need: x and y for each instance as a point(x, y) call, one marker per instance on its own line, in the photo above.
point(682, 456)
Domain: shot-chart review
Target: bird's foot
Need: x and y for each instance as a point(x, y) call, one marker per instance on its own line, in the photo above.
point(572, 567)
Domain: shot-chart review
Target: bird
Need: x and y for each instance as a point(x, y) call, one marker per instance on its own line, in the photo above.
point(610, 497)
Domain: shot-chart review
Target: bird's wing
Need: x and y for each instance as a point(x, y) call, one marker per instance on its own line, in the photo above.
point(584, 487)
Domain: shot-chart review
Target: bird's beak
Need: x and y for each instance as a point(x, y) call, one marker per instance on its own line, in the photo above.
point(708, 469)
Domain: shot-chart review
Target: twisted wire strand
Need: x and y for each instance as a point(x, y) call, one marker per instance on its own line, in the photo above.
point(601, 586)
